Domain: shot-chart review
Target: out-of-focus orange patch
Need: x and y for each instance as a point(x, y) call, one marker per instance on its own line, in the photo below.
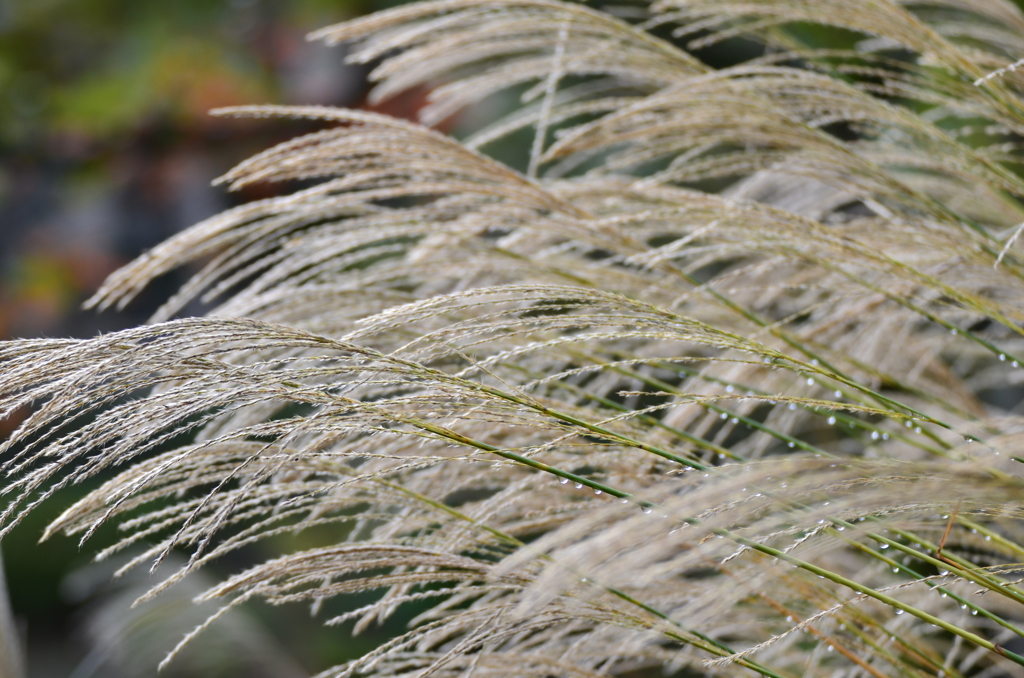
point(407, 106)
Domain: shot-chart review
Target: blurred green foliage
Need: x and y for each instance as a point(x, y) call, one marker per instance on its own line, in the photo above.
point(98, 67)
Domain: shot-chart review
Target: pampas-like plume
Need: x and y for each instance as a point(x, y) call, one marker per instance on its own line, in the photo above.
point(727, 380)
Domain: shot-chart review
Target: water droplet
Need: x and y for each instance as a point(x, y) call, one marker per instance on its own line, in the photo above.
point(841, 528)
point(831, 421)
point(964, 606)
point(723, 415)
point(597, 491)
point(885, 436)
point(789, 618)
point(792, 406)
point(988, 538)
point(899, 611)
point(721, 455)
point(874, 435)
point(1016, 364)
point(647, 509)
point(767, 361)
point(908, 423)
point(974, 612)
point(814, 362)
point(729, 388)
point(743, 490)
point(953, 332)
point(1002, 356)
point(563, 481)
point(792, 445)
point(735, 420)
point(784, 484)
point(896, 569)
point(943, 594)
point(884, 546)
point(944, 573)
point(917, 429)
point(583, 580)
point(578, 486)
point(810, 381)
point(839, 394)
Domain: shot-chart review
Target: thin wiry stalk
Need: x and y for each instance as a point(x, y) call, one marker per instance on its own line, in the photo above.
point(710, 383)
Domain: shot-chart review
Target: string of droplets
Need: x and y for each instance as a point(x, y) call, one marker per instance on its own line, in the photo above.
point(1000, 72)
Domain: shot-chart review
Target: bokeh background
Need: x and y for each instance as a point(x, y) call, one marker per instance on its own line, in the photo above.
point(106, 149)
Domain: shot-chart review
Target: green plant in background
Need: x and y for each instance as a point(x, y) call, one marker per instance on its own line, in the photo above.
point(724, 379)
point(96, 69)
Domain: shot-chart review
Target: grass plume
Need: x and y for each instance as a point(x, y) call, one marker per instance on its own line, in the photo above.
point(728, 377)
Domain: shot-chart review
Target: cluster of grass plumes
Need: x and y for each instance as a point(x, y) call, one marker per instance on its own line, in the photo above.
point(725, 378)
